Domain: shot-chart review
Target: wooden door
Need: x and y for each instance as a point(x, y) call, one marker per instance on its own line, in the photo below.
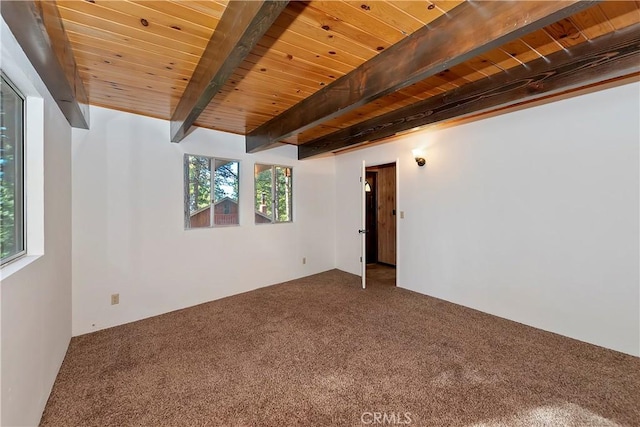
point(386, 184)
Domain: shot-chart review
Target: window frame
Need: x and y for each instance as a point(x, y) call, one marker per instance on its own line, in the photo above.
point(21, 175)
point(274, 193)
point(212, 162)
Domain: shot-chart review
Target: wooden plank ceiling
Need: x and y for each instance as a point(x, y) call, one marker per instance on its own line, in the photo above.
point(139, 55)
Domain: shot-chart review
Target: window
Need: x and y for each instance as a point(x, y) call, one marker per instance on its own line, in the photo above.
point(273, 195)
point(12, 230)
point(211, 192)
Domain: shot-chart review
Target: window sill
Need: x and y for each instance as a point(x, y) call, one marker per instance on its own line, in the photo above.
point(14, 266)
point(213, 228)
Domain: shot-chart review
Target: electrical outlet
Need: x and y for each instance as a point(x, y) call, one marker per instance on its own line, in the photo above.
point(304, 260)
point(115, 299)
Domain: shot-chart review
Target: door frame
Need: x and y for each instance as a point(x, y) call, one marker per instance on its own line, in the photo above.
point(399, 215)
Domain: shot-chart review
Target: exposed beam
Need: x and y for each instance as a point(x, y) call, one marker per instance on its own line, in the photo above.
point(611, 56)
point(468, 30)
point(241, 26)
point(38, 28)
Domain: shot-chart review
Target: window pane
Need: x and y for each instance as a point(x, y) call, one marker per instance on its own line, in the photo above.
point(11, 173)
point(211, 192)
point(226, 193)
point(283, 194)
point(264, 194)
point(199, 191)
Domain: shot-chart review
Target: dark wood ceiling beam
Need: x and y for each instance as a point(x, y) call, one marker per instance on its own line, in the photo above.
point(241, 26)
point(468, 30)
point(38, 28)
point(611, 56)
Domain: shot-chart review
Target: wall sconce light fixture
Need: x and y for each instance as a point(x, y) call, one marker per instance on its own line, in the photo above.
point(417, 154)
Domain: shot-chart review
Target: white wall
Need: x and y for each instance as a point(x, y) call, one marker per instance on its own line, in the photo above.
point(128, 235)
point(531, 215)
point(35, 293)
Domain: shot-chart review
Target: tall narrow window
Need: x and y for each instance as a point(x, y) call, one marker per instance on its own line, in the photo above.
point(273, 194)
point(211, 192)
point(12, 232)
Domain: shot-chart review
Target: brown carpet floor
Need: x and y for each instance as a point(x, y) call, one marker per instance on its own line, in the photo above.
point(320, 351)
point(382, 274)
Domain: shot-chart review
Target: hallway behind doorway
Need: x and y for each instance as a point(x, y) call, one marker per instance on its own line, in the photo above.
point(380, 205)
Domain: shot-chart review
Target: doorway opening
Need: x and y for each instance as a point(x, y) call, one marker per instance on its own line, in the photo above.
point(380, 219)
